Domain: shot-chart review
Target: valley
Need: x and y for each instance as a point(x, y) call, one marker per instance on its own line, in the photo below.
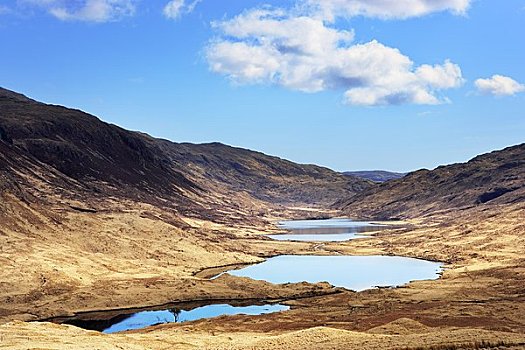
point(88, 229)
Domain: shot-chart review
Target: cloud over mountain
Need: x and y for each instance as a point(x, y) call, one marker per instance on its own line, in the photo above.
point(301, 52)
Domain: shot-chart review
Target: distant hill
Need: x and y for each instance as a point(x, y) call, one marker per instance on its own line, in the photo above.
point(492, 178)
point(375, 175)
point(48, 150)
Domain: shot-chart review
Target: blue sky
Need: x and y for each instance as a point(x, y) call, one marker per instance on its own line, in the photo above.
point(348, 84)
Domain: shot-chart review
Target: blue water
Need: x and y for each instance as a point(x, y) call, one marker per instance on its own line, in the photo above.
point(149, 318)
point(351, 272)
point(330, 230)
point(317, 237)
point(339, 222)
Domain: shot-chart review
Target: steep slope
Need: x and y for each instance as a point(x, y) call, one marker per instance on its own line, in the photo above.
point(82, 147)
point(266, 178)
point(105, 161)
point(493, 178)
point(375, 175)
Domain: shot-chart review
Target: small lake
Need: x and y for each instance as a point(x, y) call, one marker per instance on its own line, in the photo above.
point(329, 230)
point(351, 272)
point(143, 319)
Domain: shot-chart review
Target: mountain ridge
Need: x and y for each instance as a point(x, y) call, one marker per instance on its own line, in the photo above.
point(375, 175)
point(497, 177)
point(106, 160)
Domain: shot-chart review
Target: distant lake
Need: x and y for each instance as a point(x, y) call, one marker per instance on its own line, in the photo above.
point(329, 230)
point(352, 272)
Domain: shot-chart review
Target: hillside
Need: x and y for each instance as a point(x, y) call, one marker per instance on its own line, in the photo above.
point(375, 175)
point(493, 178)
point(95, 219)
point(83, 158)
point(96, 216)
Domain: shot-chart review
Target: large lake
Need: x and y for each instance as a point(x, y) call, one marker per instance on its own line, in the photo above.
point(329, 230)
point(352, 272)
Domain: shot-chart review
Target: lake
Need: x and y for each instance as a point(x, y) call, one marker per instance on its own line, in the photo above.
point(328, 230)
point(125, 322)
point(351, 272)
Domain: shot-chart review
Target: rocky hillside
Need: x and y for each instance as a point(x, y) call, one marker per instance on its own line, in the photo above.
point(375, 175)
point(493, 178)
point(47, 148)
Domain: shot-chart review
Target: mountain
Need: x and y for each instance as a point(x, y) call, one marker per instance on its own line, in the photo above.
point(375, 175)
point(493, 178)
point(52, 149)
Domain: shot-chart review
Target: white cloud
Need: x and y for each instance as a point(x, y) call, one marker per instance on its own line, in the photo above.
point(176, 8)
point(303, 53)
point(445, 76)
point(499, 85)
point(386, 9)
point(87, 10)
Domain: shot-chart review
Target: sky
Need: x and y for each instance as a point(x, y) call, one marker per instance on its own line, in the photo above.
point(347, 84)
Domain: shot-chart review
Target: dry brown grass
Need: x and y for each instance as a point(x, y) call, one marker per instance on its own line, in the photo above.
point(120, 258)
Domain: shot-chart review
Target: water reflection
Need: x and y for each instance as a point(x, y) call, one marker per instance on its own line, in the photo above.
point(329, 230)
point(142, 319)
point(351, 272)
